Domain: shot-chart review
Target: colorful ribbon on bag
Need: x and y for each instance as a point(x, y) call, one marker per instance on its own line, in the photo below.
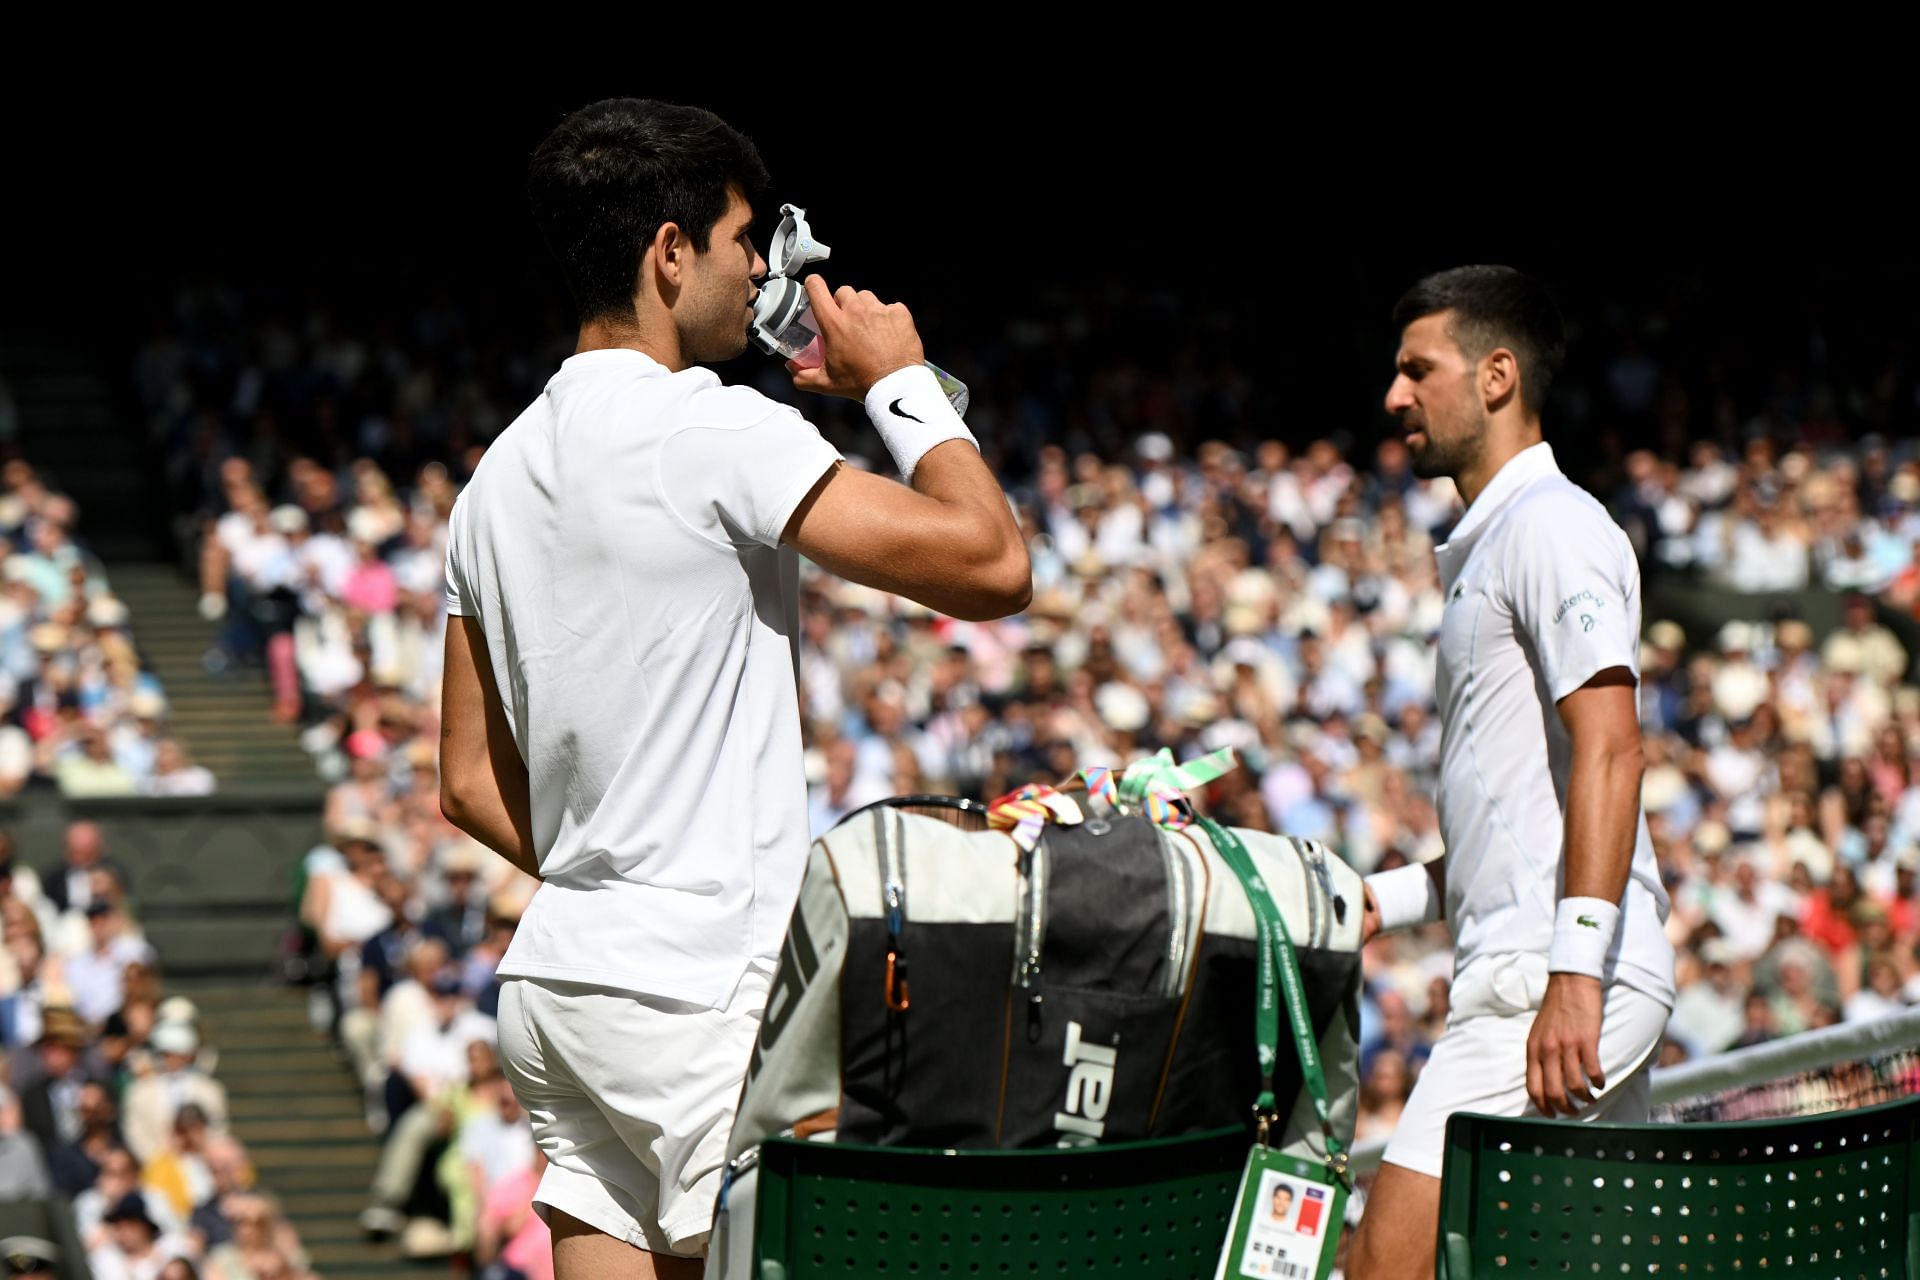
point(1153, 786)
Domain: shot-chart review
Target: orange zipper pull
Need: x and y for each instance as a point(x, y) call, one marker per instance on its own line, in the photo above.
point(896, 993)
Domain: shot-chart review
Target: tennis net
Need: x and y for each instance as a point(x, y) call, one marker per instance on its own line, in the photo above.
point(1833, 1069)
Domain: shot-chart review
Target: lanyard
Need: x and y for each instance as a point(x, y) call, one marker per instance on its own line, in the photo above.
point(1276, 953)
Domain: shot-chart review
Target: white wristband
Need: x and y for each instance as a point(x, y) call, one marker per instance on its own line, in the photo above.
point(1406, 896)
point(912, 414)
point(1583, 930)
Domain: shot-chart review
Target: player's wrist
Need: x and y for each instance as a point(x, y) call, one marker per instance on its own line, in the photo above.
point(881, 372)
point(1405, 897)
point(1583, 933)
point(912, 415)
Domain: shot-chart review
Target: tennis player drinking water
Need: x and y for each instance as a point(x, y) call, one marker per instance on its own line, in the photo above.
point(620, 706)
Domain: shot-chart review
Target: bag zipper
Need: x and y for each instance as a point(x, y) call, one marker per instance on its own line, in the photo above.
point(1306, 881)
point(1031, 934)
point(1318, 858)
point(893, 901)
point(1179, 908)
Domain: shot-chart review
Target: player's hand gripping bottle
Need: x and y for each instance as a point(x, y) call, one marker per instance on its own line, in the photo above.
point(782, 318)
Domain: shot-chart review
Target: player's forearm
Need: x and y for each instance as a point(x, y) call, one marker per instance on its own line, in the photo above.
point(1603, 819)
point(496, 811)
point(988, 554)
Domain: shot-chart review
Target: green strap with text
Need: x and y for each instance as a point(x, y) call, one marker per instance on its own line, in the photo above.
point(1276, 953)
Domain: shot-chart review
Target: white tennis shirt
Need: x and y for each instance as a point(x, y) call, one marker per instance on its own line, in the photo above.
point(619, 545)
point(1542, 593)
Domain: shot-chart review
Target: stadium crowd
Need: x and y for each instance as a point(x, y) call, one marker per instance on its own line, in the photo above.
point(409, 921)
point(109, 1099)
point(78, 708)
point(1198, 583)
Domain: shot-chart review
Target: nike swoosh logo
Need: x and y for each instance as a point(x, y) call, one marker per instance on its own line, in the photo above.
point(898, 412)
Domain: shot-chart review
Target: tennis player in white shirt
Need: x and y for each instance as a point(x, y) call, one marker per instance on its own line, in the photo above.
point(620, 705)
point(1563, 976)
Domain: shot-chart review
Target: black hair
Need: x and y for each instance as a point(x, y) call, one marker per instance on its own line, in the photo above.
point(612, 174)
point(1495, 307)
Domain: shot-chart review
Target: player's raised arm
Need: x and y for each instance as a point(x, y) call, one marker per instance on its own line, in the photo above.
point(949, 541)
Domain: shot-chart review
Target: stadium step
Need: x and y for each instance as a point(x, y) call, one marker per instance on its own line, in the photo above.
point(224, 720)
point(301, 1115)
point(74, 431)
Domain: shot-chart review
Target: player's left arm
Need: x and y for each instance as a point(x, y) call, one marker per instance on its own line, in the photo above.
point(1603, 817)
point(1574, 587)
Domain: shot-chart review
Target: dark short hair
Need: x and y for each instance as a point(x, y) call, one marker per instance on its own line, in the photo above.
point(1495, 307)
point(612, 174)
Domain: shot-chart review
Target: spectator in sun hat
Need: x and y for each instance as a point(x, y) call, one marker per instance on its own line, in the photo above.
point(342, 905)
point(1862, 642)
point(1709, 1009)
point(134, 1247)
point(52, 1104)
point(28, 1258)
point(461, 918)
point(1739, 686)
point(119, 1174)
point(154, 1100)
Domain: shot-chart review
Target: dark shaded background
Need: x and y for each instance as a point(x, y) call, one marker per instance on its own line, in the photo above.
point(1757, 237)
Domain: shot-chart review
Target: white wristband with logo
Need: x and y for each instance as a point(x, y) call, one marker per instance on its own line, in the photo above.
point(912, 415)
point(1406, 896)
point(1583, 930)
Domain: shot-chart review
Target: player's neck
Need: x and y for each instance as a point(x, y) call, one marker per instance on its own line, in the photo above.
point(1506, 438)
point(658, 339)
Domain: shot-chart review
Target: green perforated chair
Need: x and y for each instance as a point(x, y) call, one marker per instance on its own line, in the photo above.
point(1833, 1195)
point(1145, 1210)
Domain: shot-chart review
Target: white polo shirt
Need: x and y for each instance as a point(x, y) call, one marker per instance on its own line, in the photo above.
point(619, 544)
point(1542, 593)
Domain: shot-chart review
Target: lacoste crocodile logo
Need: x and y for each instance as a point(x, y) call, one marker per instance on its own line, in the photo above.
point(1587, 922)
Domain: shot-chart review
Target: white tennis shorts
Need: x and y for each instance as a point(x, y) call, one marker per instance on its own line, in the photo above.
point(1479, 1064)
point(632, 1098)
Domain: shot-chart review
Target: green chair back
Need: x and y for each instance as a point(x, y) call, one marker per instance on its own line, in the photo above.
point(1829, 1196)
point(1144, 1210)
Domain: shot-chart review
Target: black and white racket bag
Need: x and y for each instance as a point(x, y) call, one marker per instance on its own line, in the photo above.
point(945, 988)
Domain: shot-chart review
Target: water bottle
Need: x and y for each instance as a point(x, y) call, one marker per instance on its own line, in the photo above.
point(800, 343)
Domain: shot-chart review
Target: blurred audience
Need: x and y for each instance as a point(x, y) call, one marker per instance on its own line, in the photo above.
point(110, 1101)
point(79, 710)
point(1207, 573)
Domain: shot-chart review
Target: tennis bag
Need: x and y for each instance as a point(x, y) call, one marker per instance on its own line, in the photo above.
point(939, 988)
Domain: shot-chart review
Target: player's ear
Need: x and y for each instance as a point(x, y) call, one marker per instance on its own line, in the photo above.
point(669, 249)
point(1499, 377)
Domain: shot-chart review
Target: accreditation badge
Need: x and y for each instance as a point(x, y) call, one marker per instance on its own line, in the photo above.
point(1286, 1220)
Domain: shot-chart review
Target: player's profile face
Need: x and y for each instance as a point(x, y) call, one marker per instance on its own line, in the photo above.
point(718, 304)
point(1434, 396)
